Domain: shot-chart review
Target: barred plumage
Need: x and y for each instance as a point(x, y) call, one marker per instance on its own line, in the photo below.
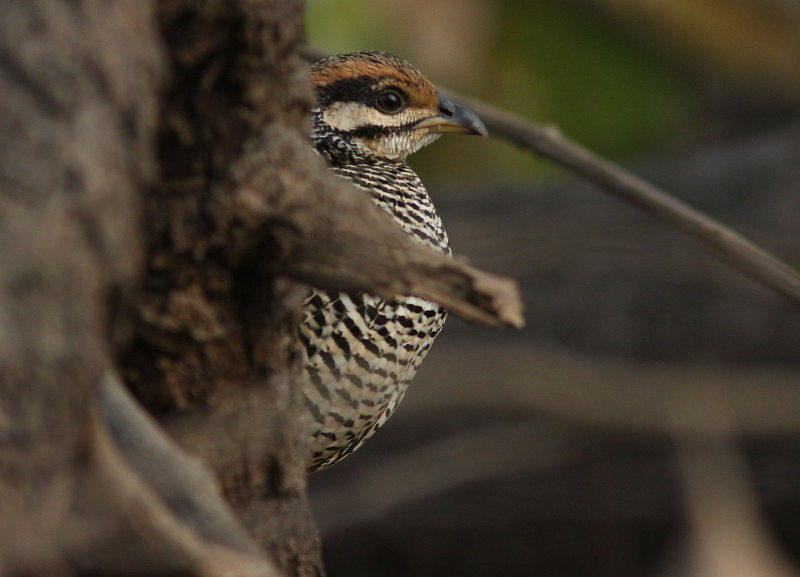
point(361, 352)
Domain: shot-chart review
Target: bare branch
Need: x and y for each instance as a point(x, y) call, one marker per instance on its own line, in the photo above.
point(182, 482)
point(121, 526)
point(725, 243)
point(320, 244)
point(615, 393)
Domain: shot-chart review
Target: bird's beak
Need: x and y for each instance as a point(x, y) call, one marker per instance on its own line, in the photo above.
point(453, 118)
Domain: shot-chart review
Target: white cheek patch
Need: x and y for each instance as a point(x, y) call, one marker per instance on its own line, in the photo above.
point(397, 146)
point(393, 147)
point(348, 116)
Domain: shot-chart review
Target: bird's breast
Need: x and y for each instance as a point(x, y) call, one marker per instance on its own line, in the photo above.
point(361, 351)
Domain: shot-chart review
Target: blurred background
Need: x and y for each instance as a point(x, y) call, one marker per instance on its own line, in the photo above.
point(554, 450)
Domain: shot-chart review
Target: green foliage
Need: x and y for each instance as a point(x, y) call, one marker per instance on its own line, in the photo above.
point(563, 63)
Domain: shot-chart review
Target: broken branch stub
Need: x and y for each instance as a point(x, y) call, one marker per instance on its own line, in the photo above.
point(327, 234)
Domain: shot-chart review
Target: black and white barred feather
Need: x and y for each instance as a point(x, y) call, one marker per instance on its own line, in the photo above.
point(361, 352)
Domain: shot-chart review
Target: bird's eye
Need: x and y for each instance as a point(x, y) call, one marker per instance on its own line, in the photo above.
point(390, 101)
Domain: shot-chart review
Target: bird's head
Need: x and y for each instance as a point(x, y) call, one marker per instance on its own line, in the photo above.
point(373, 104)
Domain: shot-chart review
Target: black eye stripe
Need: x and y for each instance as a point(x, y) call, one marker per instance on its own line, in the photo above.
point(373, 131)
point(346, 90)
point(356, 89)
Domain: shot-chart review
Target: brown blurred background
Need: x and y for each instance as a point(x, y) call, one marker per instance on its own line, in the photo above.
point(546, 451)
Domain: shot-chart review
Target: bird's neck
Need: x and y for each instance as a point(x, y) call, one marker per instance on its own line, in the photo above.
point(392, 184)
point(396, 188)
point(335, 147)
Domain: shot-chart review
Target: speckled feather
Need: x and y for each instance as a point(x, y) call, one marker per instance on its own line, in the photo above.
point(361, 352)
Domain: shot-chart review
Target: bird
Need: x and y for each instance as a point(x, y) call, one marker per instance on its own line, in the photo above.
point(360, 351)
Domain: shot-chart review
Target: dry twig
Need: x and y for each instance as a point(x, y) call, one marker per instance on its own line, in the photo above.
point(727, 244)
point(614, 393)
